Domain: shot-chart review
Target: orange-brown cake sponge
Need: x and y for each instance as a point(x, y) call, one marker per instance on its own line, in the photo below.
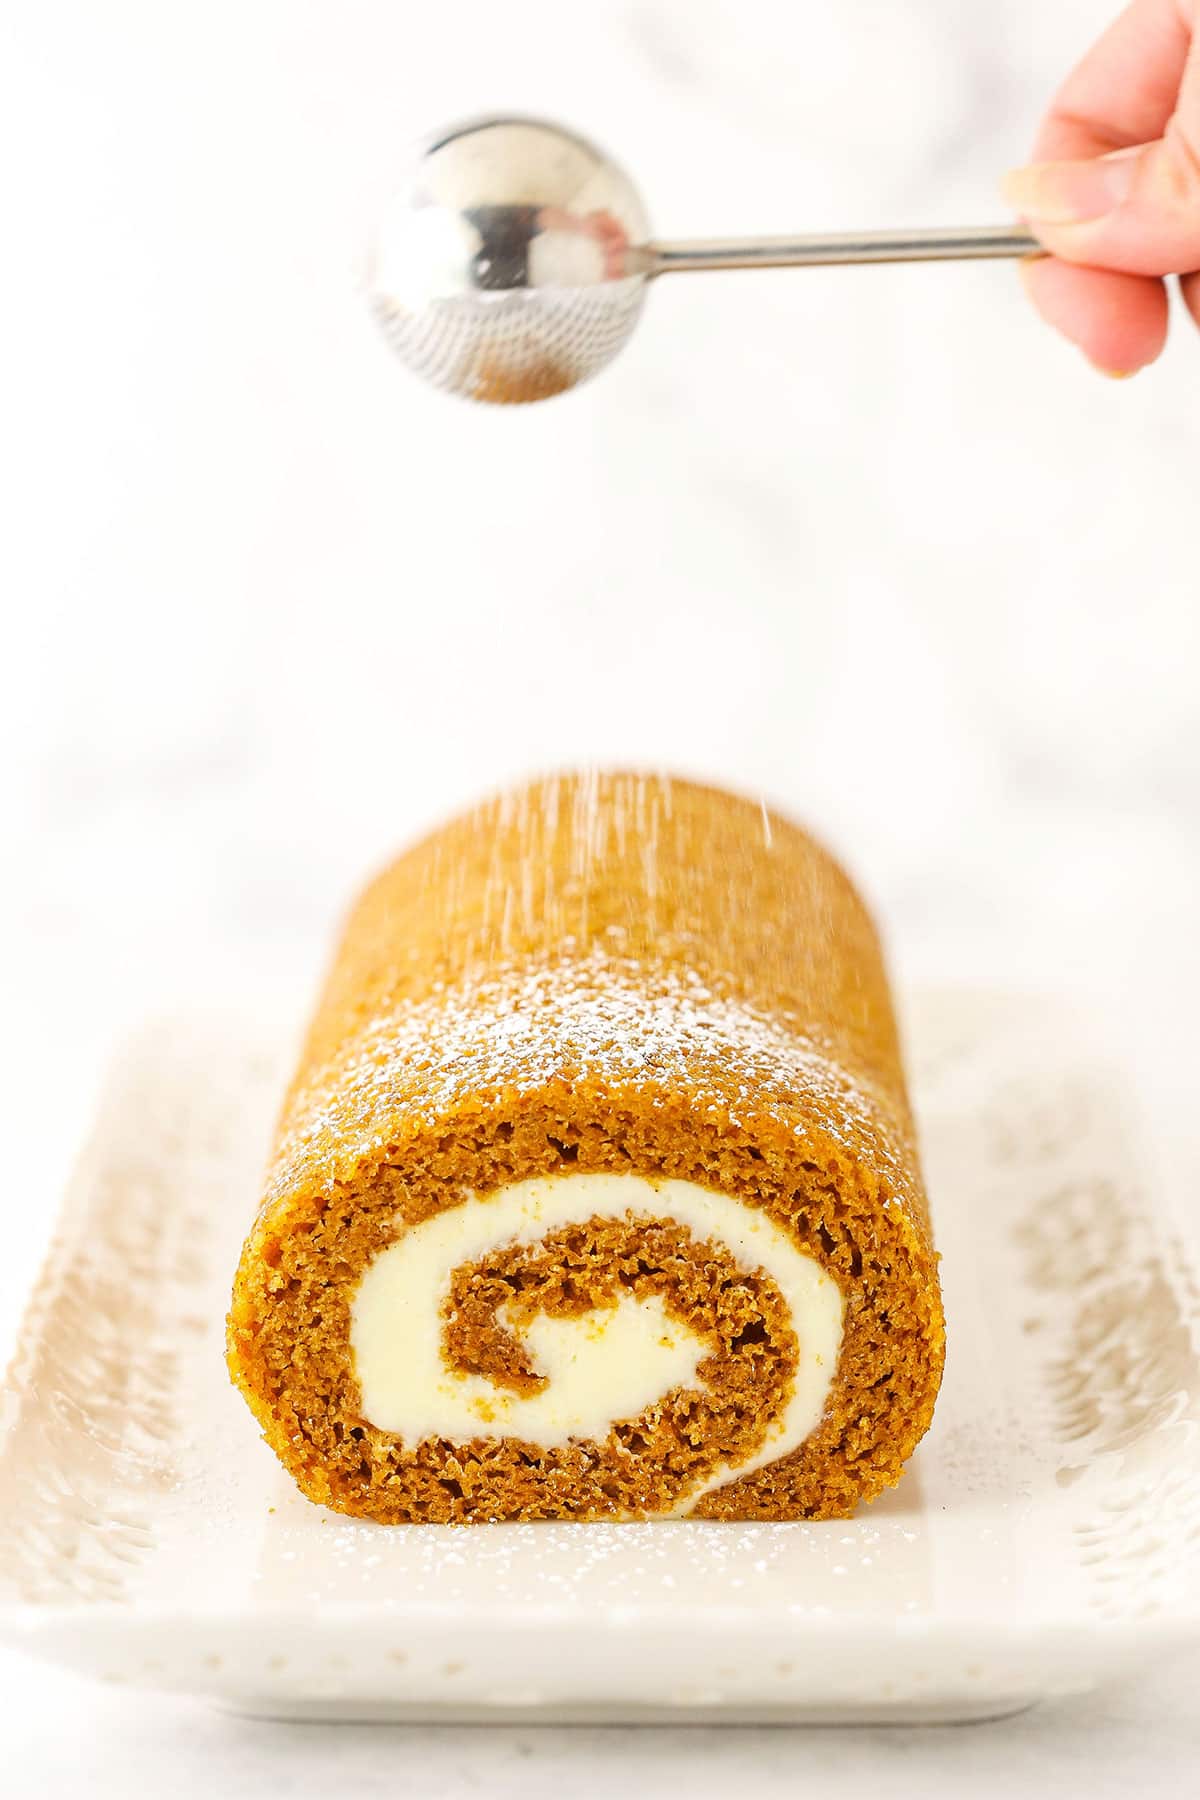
point(596, 1193)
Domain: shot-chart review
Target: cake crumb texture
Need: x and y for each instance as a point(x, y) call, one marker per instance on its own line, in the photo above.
point(600, 973)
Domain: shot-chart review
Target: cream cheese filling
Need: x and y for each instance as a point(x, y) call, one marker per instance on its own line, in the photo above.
point(602, 1367)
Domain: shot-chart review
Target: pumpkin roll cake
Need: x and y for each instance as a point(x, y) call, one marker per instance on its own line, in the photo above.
point(595, 1193)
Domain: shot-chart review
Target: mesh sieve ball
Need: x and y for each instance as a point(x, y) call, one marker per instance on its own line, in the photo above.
point(510, 263)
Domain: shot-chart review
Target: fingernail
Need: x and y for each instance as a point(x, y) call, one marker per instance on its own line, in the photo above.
point(1115, 374)
point(1067, 193)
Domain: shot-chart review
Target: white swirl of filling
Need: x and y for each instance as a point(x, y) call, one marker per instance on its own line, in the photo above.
point(603, 1367)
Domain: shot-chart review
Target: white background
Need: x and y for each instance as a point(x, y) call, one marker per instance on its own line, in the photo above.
point(871, 542)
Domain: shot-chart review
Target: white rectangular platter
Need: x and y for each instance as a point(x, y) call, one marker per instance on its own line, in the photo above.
point(1046, 1536)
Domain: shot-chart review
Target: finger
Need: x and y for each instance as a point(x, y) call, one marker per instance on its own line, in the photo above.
point(1118, 321)
point(1189, 287)
point(1124, 90)
point(1136, 208)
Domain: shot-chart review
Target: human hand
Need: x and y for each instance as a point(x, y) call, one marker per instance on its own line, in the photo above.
point(1114, 194)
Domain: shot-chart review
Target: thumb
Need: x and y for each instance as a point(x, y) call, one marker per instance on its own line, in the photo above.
point(1137, 210)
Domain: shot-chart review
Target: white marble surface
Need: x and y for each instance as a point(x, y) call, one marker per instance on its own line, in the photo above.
point(870, 541)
